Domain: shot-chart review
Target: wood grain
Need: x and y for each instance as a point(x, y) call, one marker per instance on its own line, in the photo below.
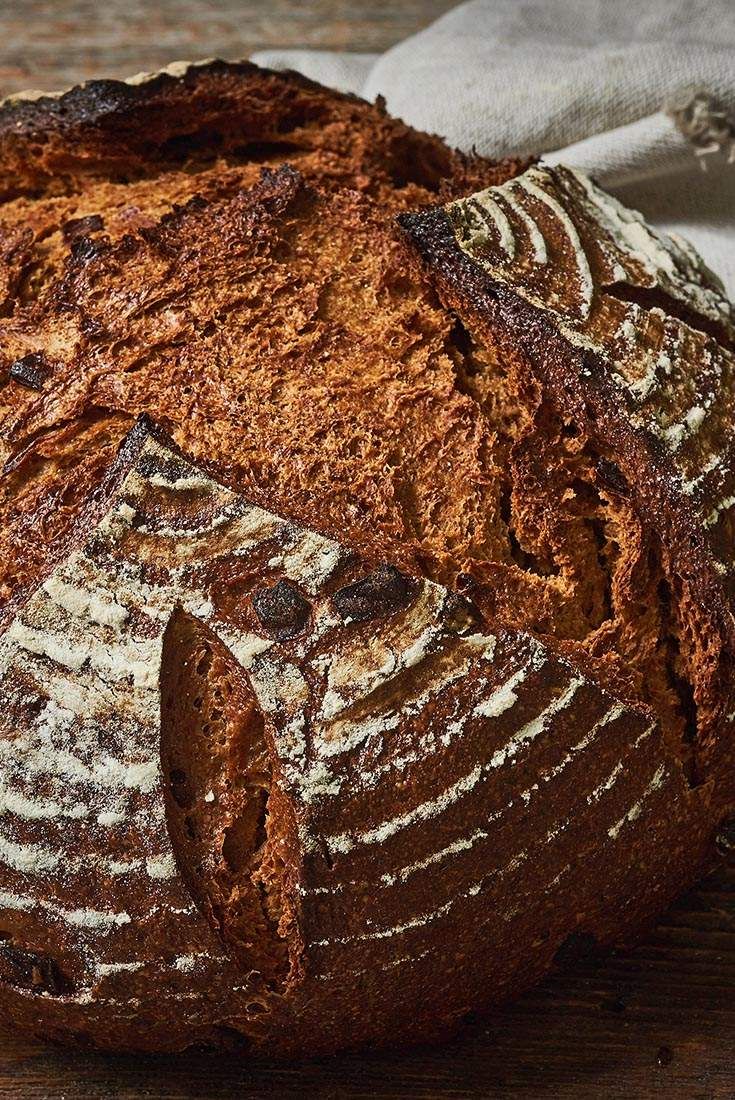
point(51, 45)
point(658, 1021)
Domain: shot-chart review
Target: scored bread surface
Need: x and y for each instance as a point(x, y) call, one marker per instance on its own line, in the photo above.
point(435, 782)
point(268, 776)
point(628, 328)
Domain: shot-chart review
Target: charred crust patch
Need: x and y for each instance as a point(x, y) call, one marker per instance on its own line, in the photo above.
point(31, 371)
point(380, 593)
point(281, 610)
point(92, 103)
point(169, 469)
point(29, 970)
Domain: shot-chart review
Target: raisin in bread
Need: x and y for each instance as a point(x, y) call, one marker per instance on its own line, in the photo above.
point(391, 649)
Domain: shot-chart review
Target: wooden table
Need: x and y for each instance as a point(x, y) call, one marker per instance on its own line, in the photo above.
point(657, 1022)
point(52, 44)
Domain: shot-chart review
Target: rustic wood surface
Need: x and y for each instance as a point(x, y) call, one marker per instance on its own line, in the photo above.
point(52, 44)
point(658, 1021)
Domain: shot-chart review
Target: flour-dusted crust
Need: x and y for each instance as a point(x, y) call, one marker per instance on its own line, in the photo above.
point(435, 785)
point(632, 338)
point(171, 182)
point(267, 776)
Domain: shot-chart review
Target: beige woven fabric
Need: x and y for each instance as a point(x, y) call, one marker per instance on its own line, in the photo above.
point(585, 82)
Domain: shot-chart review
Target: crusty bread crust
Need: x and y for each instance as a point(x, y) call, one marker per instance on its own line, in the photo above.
point(431, 784)
point(268, 779)
point(632, 337)
point(139, 127)
point(111, 173)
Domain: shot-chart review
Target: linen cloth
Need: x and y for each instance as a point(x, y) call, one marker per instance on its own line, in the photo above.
point(583, 82)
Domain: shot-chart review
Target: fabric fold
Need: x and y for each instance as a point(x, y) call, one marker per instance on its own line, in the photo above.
point(585, 82)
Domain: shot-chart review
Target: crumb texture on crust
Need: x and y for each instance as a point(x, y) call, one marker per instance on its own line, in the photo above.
point(267, 776)
point(220, 309)
point(628, 335)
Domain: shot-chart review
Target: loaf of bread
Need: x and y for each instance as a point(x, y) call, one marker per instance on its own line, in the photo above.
point(366, 573)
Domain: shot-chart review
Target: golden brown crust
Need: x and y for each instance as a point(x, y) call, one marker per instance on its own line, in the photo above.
point(176, 336)
point(631, 337)
point(361, 776)
point(426, 783)
point(219, 109)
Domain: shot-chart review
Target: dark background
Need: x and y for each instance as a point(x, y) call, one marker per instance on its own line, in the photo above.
point(656, 1022)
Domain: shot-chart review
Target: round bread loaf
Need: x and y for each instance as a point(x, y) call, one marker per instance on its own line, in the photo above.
point(365, 564)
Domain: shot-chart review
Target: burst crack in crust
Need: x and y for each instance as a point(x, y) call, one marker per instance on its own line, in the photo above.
point(217, 108)
point(632, 337)
point(97, 97)
point(425, 785)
